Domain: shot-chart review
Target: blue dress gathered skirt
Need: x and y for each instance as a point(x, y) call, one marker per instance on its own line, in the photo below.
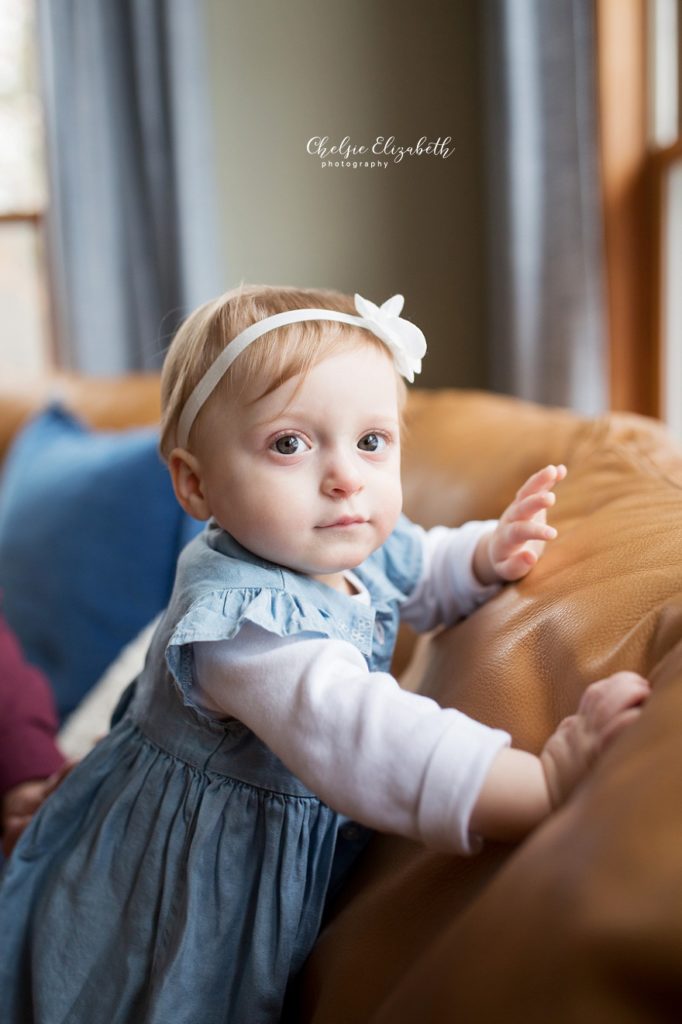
point(147, 879)
point(180, 873)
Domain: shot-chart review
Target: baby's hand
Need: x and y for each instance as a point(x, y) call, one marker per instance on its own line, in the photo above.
point(20, 803)
point(606, 708)
point(513, 548)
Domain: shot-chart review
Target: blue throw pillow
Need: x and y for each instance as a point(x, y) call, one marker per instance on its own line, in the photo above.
point(90, 532)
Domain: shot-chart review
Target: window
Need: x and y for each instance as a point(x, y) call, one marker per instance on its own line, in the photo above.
point(640, 89)
point(24, 308)
point(665, 118)
point(671, 290)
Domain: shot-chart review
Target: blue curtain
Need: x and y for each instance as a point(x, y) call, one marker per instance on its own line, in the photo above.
point(545, 299)
point(133, 242)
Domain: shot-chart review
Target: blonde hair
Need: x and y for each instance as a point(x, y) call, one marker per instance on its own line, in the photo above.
point(274, 358)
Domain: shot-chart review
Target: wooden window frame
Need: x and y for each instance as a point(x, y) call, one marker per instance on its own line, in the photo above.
point(633, 180)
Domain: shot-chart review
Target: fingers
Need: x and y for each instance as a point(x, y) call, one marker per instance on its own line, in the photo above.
point(607, 708)
point(518, 546)
point(607, 704)
point(54, 780)
point(21, 802)
point(12, 829)
point(518, 532)
point(532, 505)
point(517, 566)
point(543, 480)
point(615, 693)
point(618, 724)
point(522, 531)
point(25, 798)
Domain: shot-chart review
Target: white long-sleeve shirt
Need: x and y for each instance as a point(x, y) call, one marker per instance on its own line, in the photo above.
point(390, 759)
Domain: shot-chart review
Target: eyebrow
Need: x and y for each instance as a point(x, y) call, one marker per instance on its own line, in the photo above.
point(378, 420)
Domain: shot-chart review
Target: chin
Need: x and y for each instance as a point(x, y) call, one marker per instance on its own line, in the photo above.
point(351, 560)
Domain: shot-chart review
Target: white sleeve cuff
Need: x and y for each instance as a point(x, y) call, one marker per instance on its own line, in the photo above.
point(385, 757)
point(467, 587)
point(448, 797)
point(449, 588)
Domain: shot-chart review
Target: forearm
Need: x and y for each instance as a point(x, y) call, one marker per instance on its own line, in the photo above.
point(390, 759)
point(513, 799)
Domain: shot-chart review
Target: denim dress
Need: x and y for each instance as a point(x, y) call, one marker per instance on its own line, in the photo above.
point(180, 874)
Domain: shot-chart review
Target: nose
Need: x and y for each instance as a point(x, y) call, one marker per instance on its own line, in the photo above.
point(341, 478)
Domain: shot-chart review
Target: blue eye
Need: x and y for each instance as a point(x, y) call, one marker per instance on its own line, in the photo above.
point(372, 443)
point(289, 444)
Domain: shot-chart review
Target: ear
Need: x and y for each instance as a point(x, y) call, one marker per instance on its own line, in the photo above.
point(186, 475)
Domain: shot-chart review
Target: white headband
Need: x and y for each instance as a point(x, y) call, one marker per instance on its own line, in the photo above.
point(404, 340)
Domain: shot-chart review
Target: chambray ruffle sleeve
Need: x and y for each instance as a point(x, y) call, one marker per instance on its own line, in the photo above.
point(220, 616)
point(287, 604)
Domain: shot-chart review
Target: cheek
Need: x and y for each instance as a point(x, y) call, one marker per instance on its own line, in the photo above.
point(271, 504)
point(391, 502)
point(397, 502)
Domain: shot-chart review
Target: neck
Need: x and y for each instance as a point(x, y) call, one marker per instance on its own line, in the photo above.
point(337, 581)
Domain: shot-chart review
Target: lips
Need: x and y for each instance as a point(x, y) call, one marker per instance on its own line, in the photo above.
point(344, 521)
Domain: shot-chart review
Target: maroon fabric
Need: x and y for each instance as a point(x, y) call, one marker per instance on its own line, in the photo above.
point(28, 721)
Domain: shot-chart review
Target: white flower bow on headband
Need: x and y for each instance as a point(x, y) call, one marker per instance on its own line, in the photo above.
point(404, 339)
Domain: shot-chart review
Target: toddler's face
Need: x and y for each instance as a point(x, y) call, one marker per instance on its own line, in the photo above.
point(309, 475)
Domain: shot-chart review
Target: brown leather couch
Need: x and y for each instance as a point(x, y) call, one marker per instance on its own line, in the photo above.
point(583, 921)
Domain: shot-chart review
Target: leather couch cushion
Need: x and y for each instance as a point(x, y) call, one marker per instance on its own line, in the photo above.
point(562, 922)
